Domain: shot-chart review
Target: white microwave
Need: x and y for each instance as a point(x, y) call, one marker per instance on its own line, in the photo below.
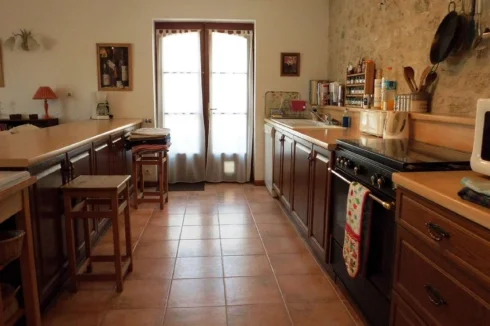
point(480, 159)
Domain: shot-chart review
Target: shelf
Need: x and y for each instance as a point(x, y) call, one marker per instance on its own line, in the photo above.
point(356, 75)
point(354, 95)
point(355, 85)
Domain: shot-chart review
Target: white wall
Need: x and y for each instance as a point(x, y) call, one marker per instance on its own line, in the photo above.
point(69, 29)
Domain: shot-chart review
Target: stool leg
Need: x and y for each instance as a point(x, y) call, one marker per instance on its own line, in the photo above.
point(135, 181)
point(127, 226)
point(165, 175)
point(70, 244)
point(142, 176)
point(117, 244)
point(88, 245)
point(160, 179)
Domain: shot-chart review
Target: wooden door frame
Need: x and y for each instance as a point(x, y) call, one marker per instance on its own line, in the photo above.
point(204, 27)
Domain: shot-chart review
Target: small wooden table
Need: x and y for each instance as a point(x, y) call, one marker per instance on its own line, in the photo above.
point(15, 201)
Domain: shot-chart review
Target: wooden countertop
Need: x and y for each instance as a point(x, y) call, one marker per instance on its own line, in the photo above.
point(29, 147)
point(442, 188)
point(326, 138)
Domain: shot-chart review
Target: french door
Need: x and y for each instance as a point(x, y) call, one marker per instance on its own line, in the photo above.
point(205, 96)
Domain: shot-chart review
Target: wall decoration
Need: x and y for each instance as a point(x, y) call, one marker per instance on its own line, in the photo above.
point(2, 80)
point(290, 64)
point(114, 67)
point(27, 41)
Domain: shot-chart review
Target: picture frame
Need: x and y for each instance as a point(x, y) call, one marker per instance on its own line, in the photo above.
point(114, 66)
point(290, 64)
point(2, 77)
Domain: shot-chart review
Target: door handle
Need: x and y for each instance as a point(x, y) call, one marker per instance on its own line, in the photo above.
point(436, 232)
point(434, 295)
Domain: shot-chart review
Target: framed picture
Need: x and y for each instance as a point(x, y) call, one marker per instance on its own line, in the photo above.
point(115, 66)
point(2, 80)
point(290, 64)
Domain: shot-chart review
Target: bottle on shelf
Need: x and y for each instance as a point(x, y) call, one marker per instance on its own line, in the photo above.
point(106, 77)
point(124, 72)
point(346, 119)
point(388, 90)
point(377, 89)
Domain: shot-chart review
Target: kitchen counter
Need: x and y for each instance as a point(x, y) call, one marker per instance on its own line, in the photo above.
point(442, 188)
point(326, 138)
point(29, 147)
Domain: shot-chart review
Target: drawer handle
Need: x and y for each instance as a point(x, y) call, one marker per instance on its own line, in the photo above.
point(434, 296)
point(436, 232)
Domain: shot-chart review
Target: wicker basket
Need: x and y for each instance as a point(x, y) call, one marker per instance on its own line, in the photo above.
point(10, 245)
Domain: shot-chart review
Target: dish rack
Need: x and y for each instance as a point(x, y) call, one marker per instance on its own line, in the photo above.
point(278, 105)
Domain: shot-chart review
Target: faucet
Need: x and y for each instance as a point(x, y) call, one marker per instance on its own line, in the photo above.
point(328, 117)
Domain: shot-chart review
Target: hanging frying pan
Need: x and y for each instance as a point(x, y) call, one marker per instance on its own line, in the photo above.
point(444, 39)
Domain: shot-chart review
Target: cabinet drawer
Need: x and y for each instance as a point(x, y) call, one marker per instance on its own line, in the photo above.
point(402, 314)
point(464, 245)
point(437, 296)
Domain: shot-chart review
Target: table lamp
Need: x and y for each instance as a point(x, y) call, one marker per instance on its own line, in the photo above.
point(45, 93)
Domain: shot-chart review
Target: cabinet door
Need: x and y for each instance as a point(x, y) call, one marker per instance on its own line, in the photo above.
point(102, 152)
point(402, 314)
point(80, 162)
point(118, 155)
point(49, 225)
point(277, 158)
point(301, 180)
point(287, 166)
point(319, 195)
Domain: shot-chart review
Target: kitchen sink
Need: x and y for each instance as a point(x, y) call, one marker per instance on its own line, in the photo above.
point(305, 124)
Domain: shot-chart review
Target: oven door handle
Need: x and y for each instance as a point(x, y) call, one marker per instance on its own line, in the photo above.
point(386, 205)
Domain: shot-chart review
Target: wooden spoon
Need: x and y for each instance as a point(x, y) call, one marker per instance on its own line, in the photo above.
point(431, 78)
point(409, 74)
point(424, 75)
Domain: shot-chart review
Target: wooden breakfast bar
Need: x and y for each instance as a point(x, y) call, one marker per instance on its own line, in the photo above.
point(54, 156)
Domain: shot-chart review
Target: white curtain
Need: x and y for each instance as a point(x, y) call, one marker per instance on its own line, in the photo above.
point(229, 156)
point(180, 102)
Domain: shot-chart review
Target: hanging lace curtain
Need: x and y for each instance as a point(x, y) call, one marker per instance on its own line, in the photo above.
point(229, 157)
point(179, 96)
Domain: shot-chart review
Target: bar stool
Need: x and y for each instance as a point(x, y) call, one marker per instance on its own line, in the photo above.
point(98, 190)
point(150, 155)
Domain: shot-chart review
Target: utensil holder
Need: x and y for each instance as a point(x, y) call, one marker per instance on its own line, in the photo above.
point(419, 102)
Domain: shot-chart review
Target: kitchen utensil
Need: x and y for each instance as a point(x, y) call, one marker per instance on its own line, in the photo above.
point(419, 102)
point(444, 39)
point(431, 78)
point(409, 74)
point(461, 35)
point(396, 125)
point(479, 36)
point(424, 75)
point(471, 26)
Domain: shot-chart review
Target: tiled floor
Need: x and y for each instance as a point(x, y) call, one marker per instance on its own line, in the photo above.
point(224, 256)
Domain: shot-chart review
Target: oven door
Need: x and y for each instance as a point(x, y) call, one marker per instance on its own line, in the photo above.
point(371, 289)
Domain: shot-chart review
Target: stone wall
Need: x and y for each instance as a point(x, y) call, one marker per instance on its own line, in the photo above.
point(399, 33)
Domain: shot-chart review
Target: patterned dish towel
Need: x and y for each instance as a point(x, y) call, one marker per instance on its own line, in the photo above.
point(474, 197)
point(357, 229)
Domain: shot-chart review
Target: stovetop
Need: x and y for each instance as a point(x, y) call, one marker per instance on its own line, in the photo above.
point(408, 155)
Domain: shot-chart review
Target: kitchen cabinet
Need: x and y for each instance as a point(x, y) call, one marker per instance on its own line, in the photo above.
point(102, 156)
point(319, 200)
point(451, 283)
point(118, 155)
point(301, 182)
point(48, 224)
point(286, 171)
point(277, 162)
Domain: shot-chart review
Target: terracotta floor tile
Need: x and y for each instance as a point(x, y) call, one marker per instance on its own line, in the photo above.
point(246, 265)
point(264, 197)
point(200, 232)
point(268, 207)
point(284, 245)
point(152, 269)
point(237, 208)
point(201, 219)
point(137, 220)
point(235, 219)
point(197, 293)
point(107, 248)
point(156, 249)
point(252, 290)
point(238, 231)
point(199, 248)
point(237, 247)
point(90, 301)
point(198, 267)
point(139, 294)
point(276, 230)
point(141, 211)
point(322, 313)
point(168, 220)
point(206, 316)
point(292, 264)
point(132, 317)
point(72, 319)
point(159, 233)
point(271, 218)
point(258, 315)
point(306, 288)
point(207, 210)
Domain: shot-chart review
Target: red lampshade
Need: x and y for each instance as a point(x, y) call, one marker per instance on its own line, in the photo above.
point(44, 93)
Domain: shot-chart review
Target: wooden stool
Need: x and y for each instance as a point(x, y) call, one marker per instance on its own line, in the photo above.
point(98, 190)
point(161, 162)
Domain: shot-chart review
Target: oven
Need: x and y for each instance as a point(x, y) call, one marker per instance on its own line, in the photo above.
point(371, 290)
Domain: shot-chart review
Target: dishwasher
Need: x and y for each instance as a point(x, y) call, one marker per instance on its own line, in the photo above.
point(269, 132)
